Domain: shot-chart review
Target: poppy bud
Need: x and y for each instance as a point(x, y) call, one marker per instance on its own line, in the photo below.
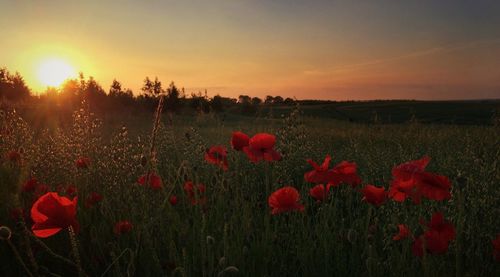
point(222, 262)
point(173, 200)
point(5, 233)
point(231, 269)
point(210, 240)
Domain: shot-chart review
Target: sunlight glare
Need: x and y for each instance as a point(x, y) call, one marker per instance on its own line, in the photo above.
point(53, 72)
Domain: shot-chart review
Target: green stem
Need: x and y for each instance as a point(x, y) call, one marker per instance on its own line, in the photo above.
point(76, 254)
point(18, 258)
point(52, 253)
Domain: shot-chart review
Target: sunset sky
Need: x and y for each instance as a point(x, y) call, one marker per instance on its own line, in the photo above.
point(305, 49)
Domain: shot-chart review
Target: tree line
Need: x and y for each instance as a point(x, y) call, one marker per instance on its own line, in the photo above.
point(69, 96)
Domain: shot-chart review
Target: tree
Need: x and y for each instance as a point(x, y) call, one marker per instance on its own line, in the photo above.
point(152, 88)
point(13, 87)
point(256, 101)
point(118, 96)
point(244, 99)
point(199, 103)
point(172, 101)
point(217, 103)
point(269, 99)
point(289, 101)
point(245, 102)
point(278, 100)
point(115, 89)
point(94, 94)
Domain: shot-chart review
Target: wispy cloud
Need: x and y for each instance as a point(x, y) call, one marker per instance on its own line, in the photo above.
point(420, 53)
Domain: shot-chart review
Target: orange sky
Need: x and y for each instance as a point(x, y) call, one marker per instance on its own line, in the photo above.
point(304, 49)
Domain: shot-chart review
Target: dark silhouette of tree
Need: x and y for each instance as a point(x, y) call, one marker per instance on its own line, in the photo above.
point(118, 96)
point(172, 102)
point(289, 101)
point(199, 103)
point(269, 99)
point(278, 100)
point(152, 88)
point(94, 94)
point(217, 104)
point(115, 89)
point(13, 87)
point(256, 101)
point(246, 105)
point(244, 99)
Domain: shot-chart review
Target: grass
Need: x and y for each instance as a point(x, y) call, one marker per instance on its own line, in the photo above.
point(477, 112)
point(235, 231)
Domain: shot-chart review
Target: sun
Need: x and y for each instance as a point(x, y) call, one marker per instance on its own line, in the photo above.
point(53, 72)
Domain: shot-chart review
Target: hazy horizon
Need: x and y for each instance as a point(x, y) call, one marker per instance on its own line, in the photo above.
point(329, 50)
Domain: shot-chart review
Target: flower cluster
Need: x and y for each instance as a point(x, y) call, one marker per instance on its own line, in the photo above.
point(52, 212)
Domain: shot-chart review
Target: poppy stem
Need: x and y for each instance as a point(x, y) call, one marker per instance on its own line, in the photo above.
point(76, 254)
point(18, 257)
point(26, 241)
point(52, 253)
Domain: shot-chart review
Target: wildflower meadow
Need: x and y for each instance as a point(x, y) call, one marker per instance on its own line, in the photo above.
point(211, 195)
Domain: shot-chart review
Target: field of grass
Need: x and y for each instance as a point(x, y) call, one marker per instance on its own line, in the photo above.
point(234, 232)
point(478, 112)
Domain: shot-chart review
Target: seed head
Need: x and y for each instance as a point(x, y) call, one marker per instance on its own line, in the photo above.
point(5, 233)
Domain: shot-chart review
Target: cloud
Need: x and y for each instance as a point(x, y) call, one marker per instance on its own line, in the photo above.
point(416, 54)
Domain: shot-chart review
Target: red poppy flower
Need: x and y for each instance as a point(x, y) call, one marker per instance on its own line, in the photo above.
point(345, 172)
point(374, 195)
point(93, 199)
point(319, 192)
point(261, 147)
point(404, 232)
point(285, 199)
point(404, 180)
point(319, 174)
point(239, 140)
point(82, 162)
point(30, 185)
point(433, 186)
point(496, 248)
point(195, 193)
point(400, 190)
point(123, 227)
point(217, 155)
point(442, 226)
point(71, 191)
point(51, 213)
point(173, 200)
point(437, 237)
point(406, 170)
point(13, 156)
point(155, 182)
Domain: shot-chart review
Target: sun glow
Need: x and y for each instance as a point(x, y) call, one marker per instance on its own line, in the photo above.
point(53, 72)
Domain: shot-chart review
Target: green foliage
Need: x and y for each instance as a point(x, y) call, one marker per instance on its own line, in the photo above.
point(235, 234)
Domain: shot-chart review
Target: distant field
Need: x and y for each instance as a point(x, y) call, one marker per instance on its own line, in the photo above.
point(440, 112)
